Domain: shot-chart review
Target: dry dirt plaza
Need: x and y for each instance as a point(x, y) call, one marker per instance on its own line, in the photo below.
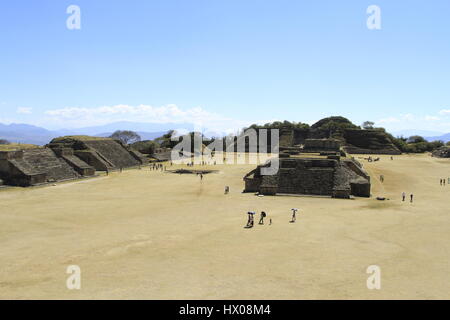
point(145, 234)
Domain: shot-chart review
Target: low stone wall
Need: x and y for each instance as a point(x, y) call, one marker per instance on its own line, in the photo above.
point(317, 145)
point(355, 150)
point(360, 188)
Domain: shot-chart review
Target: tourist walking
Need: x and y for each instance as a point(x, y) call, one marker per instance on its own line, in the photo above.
point(403, 196)
point(227, 189)
point(294, 212)
point(411, 197)
point(250, 221)
point(261, 219)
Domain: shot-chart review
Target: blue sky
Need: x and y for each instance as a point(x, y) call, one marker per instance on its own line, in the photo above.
point(225, 63)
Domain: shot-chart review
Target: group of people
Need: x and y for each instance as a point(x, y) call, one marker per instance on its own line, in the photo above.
point(203, 163)
point(411, 197)
point(443, 181)
point(251, 218)
point(370, 159)
point(157, 167)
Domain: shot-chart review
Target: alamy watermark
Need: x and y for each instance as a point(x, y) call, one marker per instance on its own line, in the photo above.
point(374, 19)
point(374, 280)
point(73, 22)
point(257, 144)
point(73, 282)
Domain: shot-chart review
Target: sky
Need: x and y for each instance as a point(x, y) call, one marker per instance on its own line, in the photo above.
point(225, 63)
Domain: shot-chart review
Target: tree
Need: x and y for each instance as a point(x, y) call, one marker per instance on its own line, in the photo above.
point(4, 141)
point(125, 136)
point(416, 139)
point(367, 125)
point(145, 147)
point(336, 122)
point(165, 141)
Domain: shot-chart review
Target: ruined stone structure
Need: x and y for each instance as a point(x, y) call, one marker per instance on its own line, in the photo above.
point(321, 145)
point(103, 154)
point(368, 142)
point(353, 141)
point(442, 152)
point(38, 166)
point(65, 159)
point(311, 176)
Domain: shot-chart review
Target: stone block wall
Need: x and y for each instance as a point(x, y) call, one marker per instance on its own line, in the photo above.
point(328, 177)
point(322, 145)
point(306, 180)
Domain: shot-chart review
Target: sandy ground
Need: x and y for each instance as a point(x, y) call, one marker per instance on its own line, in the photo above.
point(152, 235)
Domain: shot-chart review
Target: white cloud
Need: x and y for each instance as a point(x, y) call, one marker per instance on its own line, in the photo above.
point(432, 118)
point(408, 117)
point(81, 117)
point(24, 110)
point(145, 113)
point(388, 120)
point(410, 121)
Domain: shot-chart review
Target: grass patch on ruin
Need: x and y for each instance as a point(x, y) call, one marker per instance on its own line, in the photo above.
point(17, 146)
point(80, 138)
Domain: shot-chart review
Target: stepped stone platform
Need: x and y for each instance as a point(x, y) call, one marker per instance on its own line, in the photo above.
point(338, 178)
point(311, 140)
point(104, 154)
point(37, 166)
point(368, 142)
point(66, 158)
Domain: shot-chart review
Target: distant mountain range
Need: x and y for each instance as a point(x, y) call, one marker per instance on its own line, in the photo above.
point(25, 133)
point(428, 135)
point(444, 137)
point(413, 132)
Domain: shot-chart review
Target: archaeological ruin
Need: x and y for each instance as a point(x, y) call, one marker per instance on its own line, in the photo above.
point(442, 152)
point(66, 158)
point(352, 141)
point(333, 134)
point(334, 177)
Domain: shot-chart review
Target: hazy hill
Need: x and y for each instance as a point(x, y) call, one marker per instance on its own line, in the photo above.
point(444, 137)
point(24, 133)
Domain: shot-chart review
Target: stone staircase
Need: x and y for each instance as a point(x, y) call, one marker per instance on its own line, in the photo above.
point(45, 160)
